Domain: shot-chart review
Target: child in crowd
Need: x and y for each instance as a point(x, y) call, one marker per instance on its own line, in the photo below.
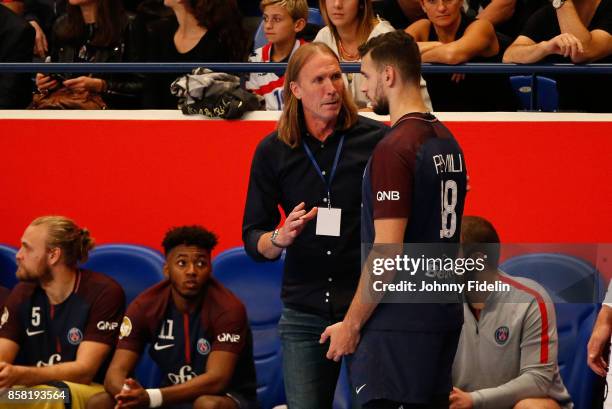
point(282, 21)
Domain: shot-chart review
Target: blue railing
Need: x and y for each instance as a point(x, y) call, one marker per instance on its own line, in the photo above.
point(475, 68)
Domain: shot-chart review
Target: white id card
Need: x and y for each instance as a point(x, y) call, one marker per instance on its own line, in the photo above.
point(328, 221)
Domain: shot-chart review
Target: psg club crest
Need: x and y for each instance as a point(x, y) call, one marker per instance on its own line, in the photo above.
point(502, 334)
point(126, 328)
point(203, 346)
point(4, 318)
point(75, 336)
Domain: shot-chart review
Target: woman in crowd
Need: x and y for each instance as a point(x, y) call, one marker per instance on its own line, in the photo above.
point(199, 31)
point(95, 31)
point(448, 36)
point(350, 23)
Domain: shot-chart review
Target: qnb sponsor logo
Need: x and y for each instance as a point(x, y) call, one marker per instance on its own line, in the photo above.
point(383, 195)
point(225, 337)
point(107, 326)
point(185, 374)
point(53, 359)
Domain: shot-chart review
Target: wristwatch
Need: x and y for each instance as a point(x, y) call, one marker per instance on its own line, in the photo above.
point(558, 3)
point(273, 239)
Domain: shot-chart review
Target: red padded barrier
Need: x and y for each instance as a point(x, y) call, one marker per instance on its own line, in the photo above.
point(128, 180)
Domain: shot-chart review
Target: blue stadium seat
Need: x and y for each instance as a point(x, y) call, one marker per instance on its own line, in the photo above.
point(567, 278)
point(314, 17)
point(8, 266)
point(258, 286)
point(136, 268)
point(547, 94)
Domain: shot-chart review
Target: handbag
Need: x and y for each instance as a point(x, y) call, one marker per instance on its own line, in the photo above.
point(67, 98)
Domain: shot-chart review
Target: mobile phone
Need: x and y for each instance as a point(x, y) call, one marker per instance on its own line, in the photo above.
point(58, 77)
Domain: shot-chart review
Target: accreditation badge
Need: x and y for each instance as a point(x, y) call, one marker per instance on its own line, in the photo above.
point(328, 221)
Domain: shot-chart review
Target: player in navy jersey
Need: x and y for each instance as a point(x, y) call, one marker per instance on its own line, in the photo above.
point(60, 323)
point(4, 293)
point(413, 192)
point(198, 335)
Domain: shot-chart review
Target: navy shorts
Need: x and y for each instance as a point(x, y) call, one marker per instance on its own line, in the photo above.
point(407, 367)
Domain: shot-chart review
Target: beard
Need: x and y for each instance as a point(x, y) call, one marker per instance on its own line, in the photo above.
point(380, 106)
point(42, 273)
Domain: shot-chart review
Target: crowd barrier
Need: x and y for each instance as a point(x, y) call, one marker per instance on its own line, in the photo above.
point(130, 175)
point(525, 78)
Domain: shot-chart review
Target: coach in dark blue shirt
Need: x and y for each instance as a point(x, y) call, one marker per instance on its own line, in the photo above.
point(312, 167)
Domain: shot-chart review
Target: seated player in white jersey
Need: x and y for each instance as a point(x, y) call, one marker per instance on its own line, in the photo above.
point(282, 21)
point(507, 353)
point(59, 325)
point(198, 333)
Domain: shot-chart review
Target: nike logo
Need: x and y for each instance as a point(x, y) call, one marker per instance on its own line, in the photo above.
point(360, 388)
point(160, 347)
point(32, 333)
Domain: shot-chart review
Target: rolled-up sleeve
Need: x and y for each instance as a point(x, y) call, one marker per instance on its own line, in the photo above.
point(261, 212)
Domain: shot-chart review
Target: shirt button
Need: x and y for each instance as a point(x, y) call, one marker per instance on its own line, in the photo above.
point(322, 146)
point(327, 294)
point(327, 300)
point(329, 279)
point(323, 173)
point(328, 252)
point(325, 199)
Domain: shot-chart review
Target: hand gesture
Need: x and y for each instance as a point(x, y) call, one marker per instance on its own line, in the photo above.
point(294, 224)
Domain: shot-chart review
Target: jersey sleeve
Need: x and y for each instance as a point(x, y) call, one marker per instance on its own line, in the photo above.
point(392, 176)
point(538, 361)
point(133, 334)
point(105, 315)
point(230, 330)
point(11, 325)
point(4, 293)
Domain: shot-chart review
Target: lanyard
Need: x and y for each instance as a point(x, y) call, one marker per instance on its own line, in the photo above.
point(318, 169)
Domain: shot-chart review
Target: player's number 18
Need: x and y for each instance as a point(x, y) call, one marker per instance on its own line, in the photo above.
point(448, 198)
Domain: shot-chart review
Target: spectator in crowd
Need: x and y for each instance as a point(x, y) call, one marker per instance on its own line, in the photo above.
point(400, 353)
point(508, 16)
point(208, 364)
point(4, 293)
point(42, 14)
point(314, 159)
point(448, 36)
point(61, 322)
point(16, 44)
point(507, 353)
point(200, 31)
point(570, 31)
point(96, 31)
point(283, 20)
point(350, 23)
point(399, 13)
